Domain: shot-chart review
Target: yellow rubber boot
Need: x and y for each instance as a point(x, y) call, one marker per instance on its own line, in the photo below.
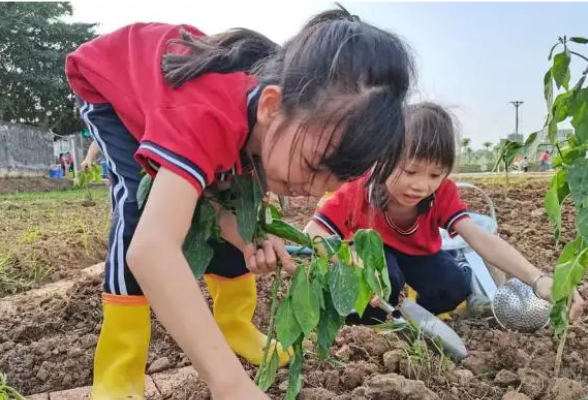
point(412, 294)
point(234, 302)
point(122, 350)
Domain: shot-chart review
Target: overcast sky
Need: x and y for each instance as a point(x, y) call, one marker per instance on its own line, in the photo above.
point(472, 57)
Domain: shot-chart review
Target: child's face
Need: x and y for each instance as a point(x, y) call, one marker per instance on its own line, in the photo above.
point(292, 162)
point(291, 155)
point(415, 180)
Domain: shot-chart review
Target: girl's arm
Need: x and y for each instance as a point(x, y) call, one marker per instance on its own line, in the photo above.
point(503, 256)
point(497, 252)
point(155, 257)
point(91, 155)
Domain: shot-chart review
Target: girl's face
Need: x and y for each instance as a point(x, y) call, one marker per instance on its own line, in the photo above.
point(415, 180)
point(291, 155)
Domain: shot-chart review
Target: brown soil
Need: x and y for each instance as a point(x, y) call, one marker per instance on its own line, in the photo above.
point(51, 344)
point(12, 185)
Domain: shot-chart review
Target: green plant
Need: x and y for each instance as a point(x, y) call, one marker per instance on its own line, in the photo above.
point(571, 177)
point(324, 289)
point(86, 177)
point(7, 392)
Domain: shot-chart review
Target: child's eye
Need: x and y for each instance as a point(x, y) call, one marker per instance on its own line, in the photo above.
point(407, 172)
point(435, 176)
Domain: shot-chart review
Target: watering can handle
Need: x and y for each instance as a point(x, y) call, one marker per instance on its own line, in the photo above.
point(486, 197)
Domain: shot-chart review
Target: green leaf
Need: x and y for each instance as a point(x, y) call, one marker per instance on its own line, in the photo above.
point(143, 190)
point(553, 209)
point(287, 328)
point(567, 155)
point(577, 39)
point(246, 202)
point(318, 286)
point(580, 115)
point(332, 244)
point(559, 316)
point(569, 274)
point(295, 374)
point(582, 222)
point(345, 254)
point(561, 69)
point(305, 301)
point(561, 107)
point(365, 292)
point(385, 278)
point(196, 249)
point(552, 131)
point(320, 264)
point(344, 288)
point(570, 250)
point(548, 88)
point(275, 212)
point(328, 327)
point(512, 150)
point(578, 181)
point(288, 232)
point(555, 196)
point(269, 371)
point(370, 248)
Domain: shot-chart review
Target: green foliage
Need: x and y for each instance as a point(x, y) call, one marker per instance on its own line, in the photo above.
point(86, 177)
point(323, 290)
point(7, 392)
point(34, 41)
point(571, 178)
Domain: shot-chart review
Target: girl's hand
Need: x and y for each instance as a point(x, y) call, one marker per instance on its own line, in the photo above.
point(262, 257)
point(543, 287)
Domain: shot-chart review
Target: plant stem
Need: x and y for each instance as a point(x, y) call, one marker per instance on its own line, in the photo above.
point(579, 55)
point(270, 334)
point(562, 342)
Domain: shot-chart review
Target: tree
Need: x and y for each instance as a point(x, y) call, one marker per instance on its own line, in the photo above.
point(33, 44)
point(465, 147)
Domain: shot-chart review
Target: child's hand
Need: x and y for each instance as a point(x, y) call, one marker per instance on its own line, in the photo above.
point(262, 257)
point(543, 289)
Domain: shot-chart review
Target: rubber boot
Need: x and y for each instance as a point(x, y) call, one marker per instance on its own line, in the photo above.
point(234, 301)
point(412, 295)
point(122, 350)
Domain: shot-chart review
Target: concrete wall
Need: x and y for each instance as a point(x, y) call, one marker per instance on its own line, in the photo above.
point(25, 150)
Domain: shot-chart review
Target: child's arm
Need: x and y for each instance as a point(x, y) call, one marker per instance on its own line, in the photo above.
point(156, 259)
point(503, 256)
point(90, 156)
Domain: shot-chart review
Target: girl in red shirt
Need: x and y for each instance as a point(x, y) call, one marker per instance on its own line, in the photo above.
point(191, 109)
point(408, 210)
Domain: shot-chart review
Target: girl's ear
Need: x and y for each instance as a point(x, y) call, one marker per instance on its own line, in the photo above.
point(270, 104)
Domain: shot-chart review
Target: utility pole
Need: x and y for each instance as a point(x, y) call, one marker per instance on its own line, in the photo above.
point(517, 104)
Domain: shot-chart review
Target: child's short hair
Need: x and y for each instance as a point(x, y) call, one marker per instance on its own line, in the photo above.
point(430, 135)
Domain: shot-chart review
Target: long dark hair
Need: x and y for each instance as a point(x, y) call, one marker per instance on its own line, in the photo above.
point(338, 73)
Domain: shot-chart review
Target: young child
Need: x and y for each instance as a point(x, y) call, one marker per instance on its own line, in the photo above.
point(193, 109)
point(408, 210)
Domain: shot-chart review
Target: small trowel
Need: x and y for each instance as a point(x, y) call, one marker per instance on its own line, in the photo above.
point(431, 326)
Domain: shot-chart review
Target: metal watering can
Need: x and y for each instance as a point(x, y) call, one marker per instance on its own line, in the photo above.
point(514, 305)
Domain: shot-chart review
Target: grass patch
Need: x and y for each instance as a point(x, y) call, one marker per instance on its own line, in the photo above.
point(46, 236)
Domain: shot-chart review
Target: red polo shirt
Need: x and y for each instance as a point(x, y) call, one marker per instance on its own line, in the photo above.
point(350, 210)
point(196, 130)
